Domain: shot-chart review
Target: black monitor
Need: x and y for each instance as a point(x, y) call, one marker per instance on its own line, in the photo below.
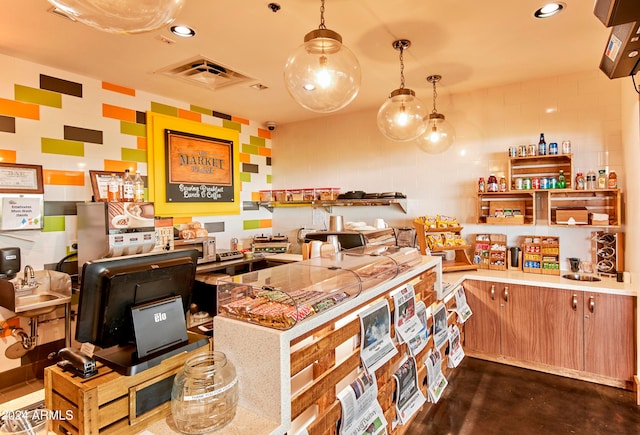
point(133, 308)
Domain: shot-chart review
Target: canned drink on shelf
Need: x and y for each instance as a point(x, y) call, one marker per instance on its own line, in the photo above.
point(522, 151)
point(513, 151)
point(535, 183)
point(532, 150)
point(518, 184)
point(566, 147)
point(553, 148)
point(553, 183)
point(544, 183)
point(526, 183)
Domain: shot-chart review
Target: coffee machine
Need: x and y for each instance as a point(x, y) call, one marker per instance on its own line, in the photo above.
point(114, 229)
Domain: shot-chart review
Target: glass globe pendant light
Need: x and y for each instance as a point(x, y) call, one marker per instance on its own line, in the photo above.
point(439, 134)
point(322, 75)
point(401, 117)
point(121, 16)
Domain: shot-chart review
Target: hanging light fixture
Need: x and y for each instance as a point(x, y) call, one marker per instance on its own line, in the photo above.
point(121, 16)
point(401, 117)
point(439, 134)
point(322, 75)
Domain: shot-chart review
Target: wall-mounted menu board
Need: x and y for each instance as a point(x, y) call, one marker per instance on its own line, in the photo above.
point(21, 196)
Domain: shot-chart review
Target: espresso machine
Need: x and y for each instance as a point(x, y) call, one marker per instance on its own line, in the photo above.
point(114, 229)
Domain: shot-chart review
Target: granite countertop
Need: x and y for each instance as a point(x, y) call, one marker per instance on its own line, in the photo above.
point(606, 285)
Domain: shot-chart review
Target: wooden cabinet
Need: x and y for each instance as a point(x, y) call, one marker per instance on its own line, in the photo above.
point(482, 329)
point(609, 343)
point(502, 319)
point(561, 328)
point(584, 335)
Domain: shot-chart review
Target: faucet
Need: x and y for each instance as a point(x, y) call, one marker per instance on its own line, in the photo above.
point(29, 276)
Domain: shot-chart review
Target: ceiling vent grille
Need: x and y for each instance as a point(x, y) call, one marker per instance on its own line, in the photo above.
point(206, 73)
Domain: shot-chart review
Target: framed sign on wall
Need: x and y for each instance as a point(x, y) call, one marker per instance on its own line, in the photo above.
point(192, 168)
point(198, 168)
point(19, 178)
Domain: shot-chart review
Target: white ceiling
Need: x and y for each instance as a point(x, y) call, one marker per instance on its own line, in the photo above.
point(472, 44)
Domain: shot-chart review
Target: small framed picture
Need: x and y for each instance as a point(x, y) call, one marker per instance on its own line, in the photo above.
point(100, 184)
point(19, 178)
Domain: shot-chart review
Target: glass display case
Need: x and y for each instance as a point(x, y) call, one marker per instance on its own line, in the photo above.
point(282, 296)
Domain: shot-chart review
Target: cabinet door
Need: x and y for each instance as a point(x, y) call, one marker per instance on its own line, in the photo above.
point(482, 329)
point(518, 327)
point(560, 328)
point(609, 335)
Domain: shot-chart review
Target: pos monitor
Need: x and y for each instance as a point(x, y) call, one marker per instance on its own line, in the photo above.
point(133, 308)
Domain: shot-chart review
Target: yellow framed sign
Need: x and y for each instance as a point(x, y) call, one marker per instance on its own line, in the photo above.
point(193, 168)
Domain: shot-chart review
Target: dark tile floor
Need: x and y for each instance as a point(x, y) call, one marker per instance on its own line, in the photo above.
point(485, 398)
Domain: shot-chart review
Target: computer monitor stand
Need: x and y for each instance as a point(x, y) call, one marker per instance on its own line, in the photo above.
point(160, 332)
point(124, 359)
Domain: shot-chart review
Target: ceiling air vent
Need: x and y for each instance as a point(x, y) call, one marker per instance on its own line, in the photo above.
point(206, 73)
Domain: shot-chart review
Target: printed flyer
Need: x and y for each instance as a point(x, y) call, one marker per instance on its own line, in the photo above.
point(462, 307)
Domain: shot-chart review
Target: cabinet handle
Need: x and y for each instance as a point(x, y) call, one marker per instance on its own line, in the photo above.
point(574, 303)
point(493, 292)
point(505, 293)
point(592, 304)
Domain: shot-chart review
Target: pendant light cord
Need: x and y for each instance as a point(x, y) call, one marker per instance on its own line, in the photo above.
point(435, 95)
point(322, 26)
point(401, 67)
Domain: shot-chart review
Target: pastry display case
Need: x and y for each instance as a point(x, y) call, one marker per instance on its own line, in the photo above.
point(281, 296)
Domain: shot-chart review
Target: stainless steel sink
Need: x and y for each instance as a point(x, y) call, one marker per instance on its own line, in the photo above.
point(580, 277)
point(41, 299)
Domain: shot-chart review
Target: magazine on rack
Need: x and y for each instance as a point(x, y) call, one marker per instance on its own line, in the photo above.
point(436, 382)
point(407, 323)
point(419, 341)
point(440, 330)
point(456, 353)
point(409, 398)
point(462, 307)
point(376, 346)
point(361, 412)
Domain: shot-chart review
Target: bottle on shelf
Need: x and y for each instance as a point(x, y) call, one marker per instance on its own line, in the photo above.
point(562, 181)
point(591, 180)
point(138, 188)
point(481, 185)
point(542, 146)
point(580, 181)
point(613, 180)
point(127, 187)
point(492, 183)
point(502, 184)
point(113, 189)
point(602, 179)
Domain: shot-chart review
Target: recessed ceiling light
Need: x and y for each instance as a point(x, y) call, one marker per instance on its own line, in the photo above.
point(184, 31)
point(549, 10)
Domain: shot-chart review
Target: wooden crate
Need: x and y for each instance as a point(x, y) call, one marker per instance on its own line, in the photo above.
point(490, 251)
point(542, 255)
point(108, 402)
point(498, 252)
